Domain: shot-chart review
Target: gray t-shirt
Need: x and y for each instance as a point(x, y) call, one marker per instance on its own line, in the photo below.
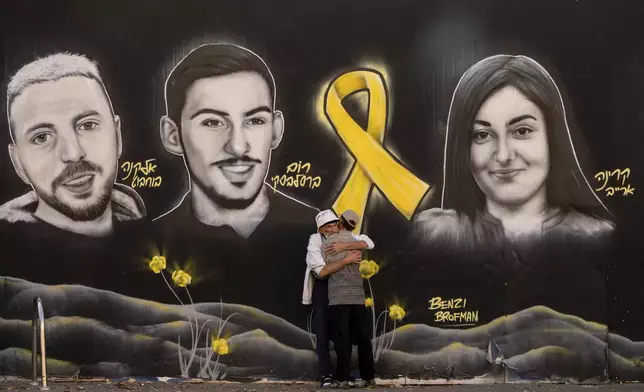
point(345, 286)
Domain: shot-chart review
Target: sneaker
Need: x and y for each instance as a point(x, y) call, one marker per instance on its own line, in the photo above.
point(346, 384)
point(327, 382)
point(359, 383)
point(370, 383)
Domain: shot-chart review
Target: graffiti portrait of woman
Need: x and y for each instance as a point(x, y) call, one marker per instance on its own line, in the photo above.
point(515, 198)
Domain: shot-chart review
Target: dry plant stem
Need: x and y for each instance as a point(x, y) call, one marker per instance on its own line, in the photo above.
point(373, 310)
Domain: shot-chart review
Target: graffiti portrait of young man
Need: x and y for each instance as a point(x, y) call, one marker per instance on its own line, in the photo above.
point(221, 119)
point(66, 141)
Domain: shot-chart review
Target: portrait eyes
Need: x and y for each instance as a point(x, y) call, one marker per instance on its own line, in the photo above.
point(41, 138)
point(482, 136)
point(46, 134)
point(89, 125)
point(212, 123)
point(522, 132)
point(216, 123)
point(256, 121)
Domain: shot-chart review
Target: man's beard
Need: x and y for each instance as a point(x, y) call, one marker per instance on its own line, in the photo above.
point(85, 213)
point(216, 197)
point(80, 214)
point(223, 201)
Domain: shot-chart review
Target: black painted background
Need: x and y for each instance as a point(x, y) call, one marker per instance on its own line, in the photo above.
point(592, 48)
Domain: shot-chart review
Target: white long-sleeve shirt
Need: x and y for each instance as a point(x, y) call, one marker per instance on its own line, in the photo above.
point(315, 262)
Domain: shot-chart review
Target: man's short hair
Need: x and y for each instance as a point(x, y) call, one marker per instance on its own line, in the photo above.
point(207, 61)
point(52, 68)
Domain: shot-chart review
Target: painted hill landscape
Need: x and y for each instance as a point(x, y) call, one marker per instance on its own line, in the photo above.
point(99, 333)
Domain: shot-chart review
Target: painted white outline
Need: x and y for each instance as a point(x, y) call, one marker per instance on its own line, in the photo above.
point(183, 155)
point(565, 117)
point(98, 79)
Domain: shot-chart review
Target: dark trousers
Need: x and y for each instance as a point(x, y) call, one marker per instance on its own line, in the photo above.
point(320, 302)
point(349, 322)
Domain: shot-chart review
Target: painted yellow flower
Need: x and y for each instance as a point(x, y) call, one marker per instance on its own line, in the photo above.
point(181, 278)
point(396, 312)
point(157, 264)
point(368, 302)
point(368, 268)
point(219, 346)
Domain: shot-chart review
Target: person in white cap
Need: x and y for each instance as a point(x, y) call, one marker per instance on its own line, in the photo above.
point(315, 290)
point(350, 321)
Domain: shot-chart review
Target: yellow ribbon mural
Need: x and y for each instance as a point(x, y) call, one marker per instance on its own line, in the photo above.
point(374, 164)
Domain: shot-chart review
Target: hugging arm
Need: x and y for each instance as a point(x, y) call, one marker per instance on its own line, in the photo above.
point(352, 258)
point(361, 242)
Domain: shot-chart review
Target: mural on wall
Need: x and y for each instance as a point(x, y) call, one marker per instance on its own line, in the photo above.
point(65, 144)
point(160, 187)
point(515, 204)
point(221, 119)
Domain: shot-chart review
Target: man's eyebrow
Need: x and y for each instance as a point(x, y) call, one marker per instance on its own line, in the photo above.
point(37, 126)
point(209, 111)
point(85, 114)
point(263, 108)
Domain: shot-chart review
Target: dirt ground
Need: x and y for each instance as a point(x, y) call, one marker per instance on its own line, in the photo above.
point(18, 385)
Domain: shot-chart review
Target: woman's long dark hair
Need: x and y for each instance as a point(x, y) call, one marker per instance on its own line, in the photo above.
point(566, 186)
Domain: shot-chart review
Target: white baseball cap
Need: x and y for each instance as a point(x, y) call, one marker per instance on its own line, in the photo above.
point(324, 217)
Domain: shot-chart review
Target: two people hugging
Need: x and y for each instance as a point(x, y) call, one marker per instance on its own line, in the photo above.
point(334, 288)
